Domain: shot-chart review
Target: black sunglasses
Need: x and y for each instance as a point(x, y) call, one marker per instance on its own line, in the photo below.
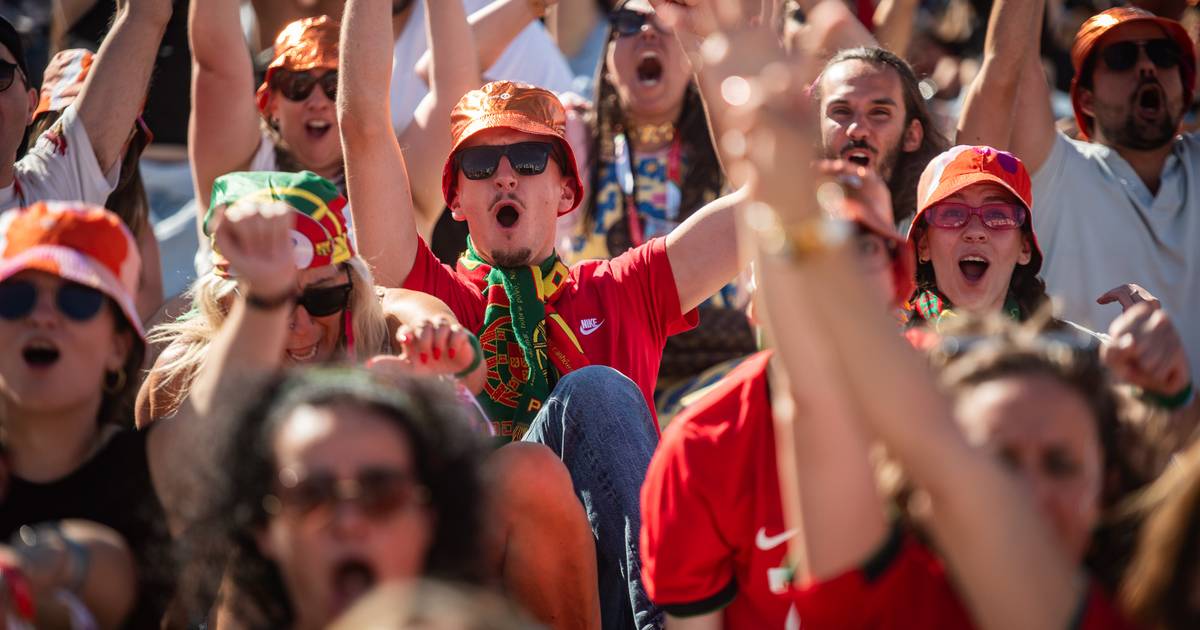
point(626, 23)
point(8, 72)
point(325, 301)
point(526, 158)
point(1163, 52)
point(378, 492)
point(296, 86)
point(18, 298)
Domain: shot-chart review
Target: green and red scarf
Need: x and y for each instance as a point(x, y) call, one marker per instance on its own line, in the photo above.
point(932, 308)
point(526, 345)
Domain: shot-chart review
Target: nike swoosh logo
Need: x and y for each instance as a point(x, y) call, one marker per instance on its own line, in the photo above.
point(587, 330)
point(767, 543)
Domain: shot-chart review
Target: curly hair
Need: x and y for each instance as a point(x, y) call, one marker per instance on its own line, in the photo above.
point(220, 549)
point(902, 183)
point(703, 178)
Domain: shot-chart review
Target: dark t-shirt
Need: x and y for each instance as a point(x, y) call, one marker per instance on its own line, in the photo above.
point(112, 489)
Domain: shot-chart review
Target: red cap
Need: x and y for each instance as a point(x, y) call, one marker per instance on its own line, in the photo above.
point(77, 242)
point(962, 166)
point(509, 105)
point(1098, 25)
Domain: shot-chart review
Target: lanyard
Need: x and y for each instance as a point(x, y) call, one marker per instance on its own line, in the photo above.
point(628, 183)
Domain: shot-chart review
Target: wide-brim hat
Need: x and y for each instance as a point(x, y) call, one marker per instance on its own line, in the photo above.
point(509, 105)
point(306, 44)
point(1100, 24)
point(76, 242)
point(964, 165)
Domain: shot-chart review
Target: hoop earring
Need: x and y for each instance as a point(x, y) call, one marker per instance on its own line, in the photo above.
point(113, 388)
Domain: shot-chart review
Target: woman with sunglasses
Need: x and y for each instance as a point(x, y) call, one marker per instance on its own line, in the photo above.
point(69, 365)
point(649, 163)
point(290, 123)
point(330, 481)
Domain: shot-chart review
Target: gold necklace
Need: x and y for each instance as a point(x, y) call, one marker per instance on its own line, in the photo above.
point(652, 134)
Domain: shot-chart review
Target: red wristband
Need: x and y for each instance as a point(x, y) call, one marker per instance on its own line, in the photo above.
point(19, 591)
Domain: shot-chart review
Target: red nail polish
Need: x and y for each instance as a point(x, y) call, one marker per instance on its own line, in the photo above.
point(437, 354)
point(424, 358)
point(450, 352)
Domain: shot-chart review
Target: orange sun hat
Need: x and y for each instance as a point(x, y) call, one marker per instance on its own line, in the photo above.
point(306, 44)
point(509, 105)
point(1100, 24)
point(76, 242)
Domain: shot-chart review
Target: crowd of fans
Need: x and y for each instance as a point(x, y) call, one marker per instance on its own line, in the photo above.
point(580, 314)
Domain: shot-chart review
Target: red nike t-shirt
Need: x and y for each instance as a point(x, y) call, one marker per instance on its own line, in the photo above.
point(904, 586)
point(622, 310)
point(713, 534)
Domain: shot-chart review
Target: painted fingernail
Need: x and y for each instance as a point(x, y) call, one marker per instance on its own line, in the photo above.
point(424, 358)
point(437, 354)
point(450, 353)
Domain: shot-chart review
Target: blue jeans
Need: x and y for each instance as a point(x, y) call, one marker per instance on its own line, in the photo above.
point(597, 421)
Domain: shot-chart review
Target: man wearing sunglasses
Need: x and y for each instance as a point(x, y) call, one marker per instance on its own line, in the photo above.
point(572, 353)
point(78, 158)
point(1118, 205)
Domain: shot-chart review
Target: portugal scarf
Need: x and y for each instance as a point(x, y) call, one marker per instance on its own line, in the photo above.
point(930, 307)
point(527, 346)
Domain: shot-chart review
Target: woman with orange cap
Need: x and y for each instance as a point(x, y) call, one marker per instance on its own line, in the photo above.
point(290, 122)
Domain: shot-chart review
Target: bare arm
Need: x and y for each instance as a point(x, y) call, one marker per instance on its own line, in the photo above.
point(454, 73)
point(704, 251)
point(895, 21)
point(574, 24)
point(428, 339)
point(115, 89)
point(223, 131)
point(376, 173)
point(1004, 107)
point(64, 14)
point(493, 27)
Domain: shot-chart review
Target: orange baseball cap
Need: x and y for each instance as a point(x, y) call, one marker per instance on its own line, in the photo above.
point(306, 44)
point(77, 242)
point(962, 166)
point(509, 105)
point(1098, 25)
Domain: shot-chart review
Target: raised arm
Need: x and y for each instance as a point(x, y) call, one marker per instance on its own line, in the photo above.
point(115, 90)
point(256, 240)
point(376, 174)
point(895, 22)
point(454, 73)
point(223, 131)
point(493, 28)
point(1008, 104)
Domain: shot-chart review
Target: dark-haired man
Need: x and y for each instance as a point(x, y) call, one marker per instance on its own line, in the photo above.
point(78, 158)
point(1121, 204)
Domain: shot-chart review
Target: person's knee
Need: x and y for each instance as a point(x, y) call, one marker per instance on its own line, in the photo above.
point(599, 384)
point(529, 477)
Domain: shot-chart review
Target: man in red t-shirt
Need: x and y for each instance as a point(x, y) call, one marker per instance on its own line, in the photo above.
point(714, 542)
point(572, 354)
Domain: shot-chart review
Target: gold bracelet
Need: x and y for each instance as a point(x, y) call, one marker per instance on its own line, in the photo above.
point(799, 241)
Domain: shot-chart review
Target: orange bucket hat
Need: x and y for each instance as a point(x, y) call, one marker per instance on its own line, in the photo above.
point(77, 242)
point(509, 105)
point(1098, 25)
point(963, 165)
point(306, 44)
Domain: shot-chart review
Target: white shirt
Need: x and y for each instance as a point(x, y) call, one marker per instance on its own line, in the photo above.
point(1099, 227)
point(61, 166)
point(531, 58)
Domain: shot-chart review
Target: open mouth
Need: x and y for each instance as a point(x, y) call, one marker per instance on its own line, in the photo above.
point(859, 156)
point(1149, 101)
point(649, 69)
point(352, 578)
point(316, 129)
point(40, 354)
point(303, 355)
point(507, 215)
point(973, 267)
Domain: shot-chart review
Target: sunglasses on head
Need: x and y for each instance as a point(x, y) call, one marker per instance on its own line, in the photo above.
point(994, 216)
point(1163, 52)
point(526, 158)
point(378, 492)
point(626, 23)
point(18, 298)
point(296, 86)
point(325, 301)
